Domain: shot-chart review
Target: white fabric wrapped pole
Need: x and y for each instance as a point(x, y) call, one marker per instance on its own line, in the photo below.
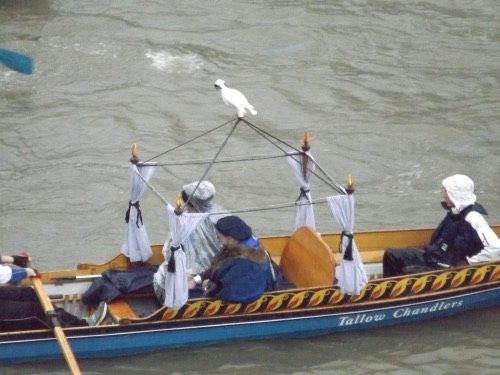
point(181, 227)
point(136, 244)
point(352, 274)
point(305, 211)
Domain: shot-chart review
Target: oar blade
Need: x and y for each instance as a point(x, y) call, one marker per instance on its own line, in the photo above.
point(16, 61)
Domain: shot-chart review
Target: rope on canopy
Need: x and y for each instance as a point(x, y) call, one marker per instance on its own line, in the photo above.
point(226, 159)
point(272, 207)
point(248, 209)
point(155, 192)
point(334, 185)
point(327, 179)
point(337, 187)
point(212, 163)
point(191, 140)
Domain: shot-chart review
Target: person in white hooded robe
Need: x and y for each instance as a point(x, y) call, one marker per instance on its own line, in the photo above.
point(463, 236)
point(203, 244)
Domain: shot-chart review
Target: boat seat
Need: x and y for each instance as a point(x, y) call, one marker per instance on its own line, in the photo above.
point(132, 306)
point(120, 309)
point(307, 259)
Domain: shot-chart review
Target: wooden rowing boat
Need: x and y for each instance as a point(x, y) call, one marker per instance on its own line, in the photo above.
point(137, 324)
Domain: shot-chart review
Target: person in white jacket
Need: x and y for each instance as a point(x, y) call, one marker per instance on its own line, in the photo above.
point(491, 242)
point(14, 274)
point(463, 236)
point(459, 195)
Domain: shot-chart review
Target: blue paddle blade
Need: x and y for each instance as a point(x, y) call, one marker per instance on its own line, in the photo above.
point(16, 61)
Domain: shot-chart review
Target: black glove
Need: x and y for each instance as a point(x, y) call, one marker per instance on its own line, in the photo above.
point(20, 260)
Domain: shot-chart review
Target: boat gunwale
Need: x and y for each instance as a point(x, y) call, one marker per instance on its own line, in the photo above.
point(163, 326)
point(264, 315)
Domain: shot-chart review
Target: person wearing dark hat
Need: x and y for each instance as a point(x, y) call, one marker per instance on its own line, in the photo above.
point(463, 236)
point(241, 271)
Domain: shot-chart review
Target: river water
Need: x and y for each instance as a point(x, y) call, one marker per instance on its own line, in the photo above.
point(399, 94)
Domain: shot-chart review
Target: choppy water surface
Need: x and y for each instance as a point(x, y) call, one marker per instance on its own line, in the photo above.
point(398, 94)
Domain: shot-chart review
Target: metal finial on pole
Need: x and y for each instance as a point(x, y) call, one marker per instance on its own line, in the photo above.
point(178, 210)
point(350, 185)
point(134, 159)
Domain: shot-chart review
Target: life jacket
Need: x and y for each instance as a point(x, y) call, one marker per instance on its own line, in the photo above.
point(454, 238)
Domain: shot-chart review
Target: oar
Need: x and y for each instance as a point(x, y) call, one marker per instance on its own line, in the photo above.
point(16, 61)
point(80, 277)
point(58, 331)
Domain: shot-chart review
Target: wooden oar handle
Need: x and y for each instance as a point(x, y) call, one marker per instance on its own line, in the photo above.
point(58, 331)
point(42, 296)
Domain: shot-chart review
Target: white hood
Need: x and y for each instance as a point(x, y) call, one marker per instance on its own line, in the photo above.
point(460, 189)
point(202, 197)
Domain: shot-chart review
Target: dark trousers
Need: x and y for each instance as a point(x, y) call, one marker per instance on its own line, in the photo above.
point(21, 310)
point(404, 261)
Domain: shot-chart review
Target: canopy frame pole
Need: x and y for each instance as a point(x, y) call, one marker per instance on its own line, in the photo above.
point(213, 160)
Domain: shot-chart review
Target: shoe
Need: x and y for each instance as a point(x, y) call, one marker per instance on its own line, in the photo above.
point(98, 316)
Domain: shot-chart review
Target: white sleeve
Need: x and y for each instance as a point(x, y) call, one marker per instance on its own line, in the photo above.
point(197, 279)
point(491, 242)
point(5, 274)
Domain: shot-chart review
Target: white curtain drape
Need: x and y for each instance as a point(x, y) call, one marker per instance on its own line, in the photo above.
point(181, 227)
point(352, 275)
point(136, 243)
point(305, 211)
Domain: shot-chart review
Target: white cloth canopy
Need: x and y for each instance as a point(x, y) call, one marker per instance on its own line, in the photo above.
point(305, 211)
point(181, 227)
point(352, 275)
point(136, 243)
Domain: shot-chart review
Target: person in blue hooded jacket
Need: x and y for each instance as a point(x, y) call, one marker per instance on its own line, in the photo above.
point(241, 272)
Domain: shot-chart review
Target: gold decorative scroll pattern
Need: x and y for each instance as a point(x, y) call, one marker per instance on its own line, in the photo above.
point(383, 290)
